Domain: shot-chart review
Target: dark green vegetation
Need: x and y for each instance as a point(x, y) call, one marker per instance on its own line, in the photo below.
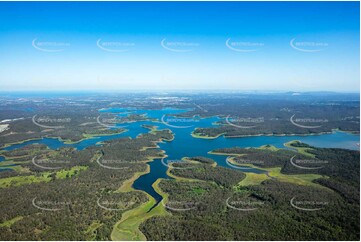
point(68, 118)
point(79, 114)
point(83, 194)
point(72, 126)
point(83, 205)
point(202, 159)
point(221, 176)
point(270, 114)
point(341, 166)
point(213, 207)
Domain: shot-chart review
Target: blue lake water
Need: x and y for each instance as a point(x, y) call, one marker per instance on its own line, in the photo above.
point(184, 145)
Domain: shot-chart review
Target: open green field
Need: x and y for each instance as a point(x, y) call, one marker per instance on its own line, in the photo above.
point(11, 221)
point(253, 179)
point(194, 135)
point(301, 150)
point(299, 179)
point(42, 177)
point(128, 227)
point(92, 229)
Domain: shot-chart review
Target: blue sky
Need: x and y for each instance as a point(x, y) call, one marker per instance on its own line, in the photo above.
point(280, 46)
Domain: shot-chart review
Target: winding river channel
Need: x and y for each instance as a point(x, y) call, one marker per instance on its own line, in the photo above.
point(184, 145)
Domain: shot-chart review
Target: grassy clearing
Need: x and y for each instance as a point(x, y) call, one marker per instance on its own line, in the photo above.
point(269, 147)
point(301, 150)
point(42, 177)
point(69, 173)
point(127, 185)
point(128, 227)
point(198, 136)
point(91, 232)
point(225, 154)
point(253, 179)
point(299, 179)
point(10, 222)
point(275, 172)
point(22, 180)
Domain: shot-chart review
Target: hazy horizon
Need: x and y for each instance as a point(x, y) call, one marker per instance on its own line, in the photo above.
point(171, 91)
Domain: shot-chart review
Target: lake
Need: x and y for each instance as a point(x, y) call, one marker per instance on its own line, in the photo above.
point(184, 145)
